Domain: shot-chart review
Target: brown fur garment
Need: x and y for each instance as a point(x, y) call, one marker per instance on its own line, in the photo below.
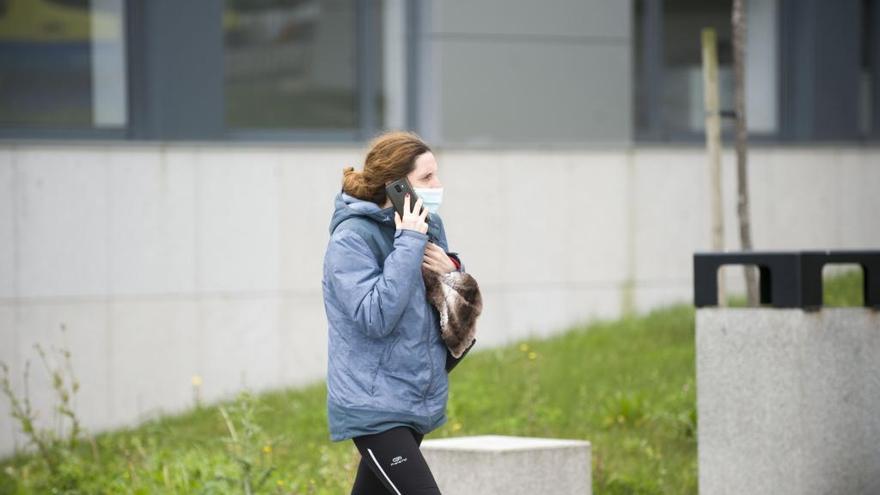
point(457, 298)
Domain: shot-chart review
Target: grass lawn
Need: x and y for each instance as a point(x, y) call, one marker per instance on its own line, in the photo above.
point(625, 385)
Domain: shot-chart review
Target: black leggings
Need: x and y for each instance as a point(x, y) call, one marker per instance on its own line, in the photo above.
point(391, 463)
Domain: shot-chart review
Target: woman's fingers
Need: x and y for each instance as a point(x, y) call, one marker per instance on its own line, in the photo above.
point(433, 264)
point(430, 253)
point(435, 257)
point(428, 258)
point(434, 252)
point(430, 265)
point(411, 220)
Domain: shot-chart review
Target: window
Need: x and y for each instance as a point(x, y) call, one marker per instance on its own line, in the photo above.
point(683, 20)
point(293, 64)
point(670, 85)
point(300, 70)
point(62, 64)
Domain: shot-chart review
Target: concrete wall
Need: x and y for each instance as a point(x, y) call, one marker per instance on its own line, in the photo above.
point(168, 261)
point(524, 71)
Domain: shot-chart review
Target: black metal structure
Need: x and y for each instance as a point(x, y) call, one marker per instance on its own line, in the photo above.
point(788, 279)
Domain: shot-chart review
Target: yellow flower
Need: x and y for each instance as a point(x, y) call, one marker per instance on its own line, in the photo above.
point(456, 426)
point(280, 482)
point(196, 381)
point(532, 355)
point(524, 347)
point(267, 449)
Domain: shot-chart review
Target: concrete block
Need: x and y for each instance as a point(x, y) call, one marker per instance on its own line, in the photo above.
point(509, 465)
point(787, 401)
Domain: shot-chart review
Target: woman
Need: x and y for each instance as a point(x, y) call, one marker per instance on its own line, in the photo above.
point(387, 383)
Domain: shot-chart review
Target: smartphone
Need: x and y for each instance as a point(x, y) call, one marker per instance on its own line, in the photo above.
point(396, 192)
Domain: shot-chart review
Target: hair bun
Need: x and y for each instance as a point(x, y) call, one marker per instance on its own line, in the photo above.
point(353, 181)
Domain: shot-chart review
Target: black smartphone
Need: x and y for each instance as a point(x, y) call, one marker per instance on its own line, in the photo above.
point(396, 192)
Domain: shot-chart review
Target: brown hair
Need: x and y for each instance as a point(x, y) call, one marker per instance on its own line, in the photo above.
point(392, 155)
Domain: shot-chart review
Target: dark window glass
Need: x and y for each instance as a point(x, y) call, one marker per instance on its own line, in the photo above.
point(678, 105)
point(291, 64)
point(62, 64)
point(683, 21)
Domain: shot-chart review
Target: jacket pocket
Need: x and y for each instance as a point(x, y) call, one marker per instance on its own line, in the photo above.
point(383, 359)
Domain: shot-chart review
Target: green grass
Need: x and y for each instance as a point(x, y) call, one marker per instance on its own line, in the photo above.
point(627, 386)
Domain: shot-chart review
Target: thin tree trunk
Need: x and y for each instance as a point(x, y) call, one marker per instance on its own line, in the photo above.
point(738, 21)
point(713, 146)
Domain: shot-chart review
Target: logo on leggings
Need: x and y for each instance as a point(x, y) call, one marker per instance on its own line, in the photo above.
point(397, 460)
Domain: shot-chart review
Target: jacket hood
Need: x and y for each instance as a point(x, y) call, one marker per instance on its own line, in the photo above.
point(346, 206)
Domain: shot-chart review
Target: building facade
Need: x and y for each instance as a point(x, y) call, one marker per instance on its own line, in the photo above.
point(168, 168)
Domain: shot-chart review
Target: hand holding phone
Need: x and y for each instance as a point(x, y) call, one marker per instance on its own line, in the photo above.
point(401, 194)
point(411, 220)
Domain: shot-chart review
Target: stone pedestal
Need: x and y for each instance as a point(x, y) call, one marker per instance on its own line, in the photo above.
point(788, 401)
point(509, 465)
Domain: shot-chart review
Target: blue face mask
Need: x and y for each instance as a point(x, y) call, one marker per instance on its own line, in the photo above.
point(431, 197)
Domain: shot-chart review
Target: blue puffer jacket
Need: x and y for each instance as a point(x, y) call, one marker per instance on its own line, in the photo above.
point(386, 359)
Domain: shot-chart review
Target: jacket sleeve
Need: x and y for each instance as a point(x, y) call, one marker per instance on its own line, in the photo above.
point(452, 361)
point(458, 259)
point(373, 297)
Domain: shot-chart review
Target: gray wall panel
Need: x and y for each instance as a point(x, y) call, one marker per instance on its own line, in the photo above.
point(530, 92)
point(523, 71)
point(595, 18)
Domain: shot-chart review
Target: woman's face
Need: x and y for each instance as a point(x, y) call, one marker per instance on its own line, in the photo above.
point(425, 172)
